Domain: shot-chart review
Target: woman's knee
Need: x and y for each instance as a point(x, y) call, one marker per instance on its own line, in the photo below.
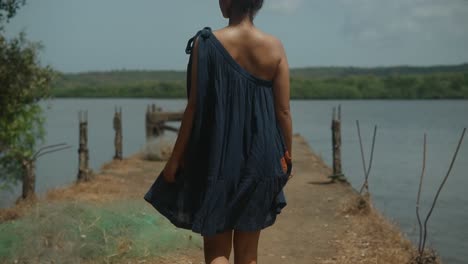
point(217, 260)
point(217, 248)
point(246, 247)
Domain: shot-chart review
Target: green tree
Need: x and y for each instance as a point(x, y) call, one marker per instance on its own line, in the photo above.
point(23, 84)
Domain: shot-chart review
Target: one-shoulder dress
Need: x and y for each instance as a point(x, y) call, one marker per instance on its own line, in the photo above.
point(234, 170)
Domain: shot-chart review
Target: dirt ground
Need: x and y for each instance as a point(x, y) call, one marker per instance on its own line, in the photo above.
point(320, 224)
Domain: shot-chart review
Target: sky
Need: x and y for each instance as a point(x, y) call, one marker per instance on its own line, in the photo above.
point(101, 35)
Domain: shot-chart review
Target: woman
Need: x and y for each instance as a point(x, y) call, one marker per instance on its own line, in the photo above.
point(232, 156)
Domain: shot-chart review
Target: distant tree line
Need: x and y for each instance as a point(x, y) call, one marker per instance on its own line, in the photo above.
point(431, 86)
point(404, 82)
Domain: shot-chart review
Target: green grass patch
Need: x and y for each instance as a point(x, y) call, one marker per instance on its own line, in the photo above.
point(70, 232)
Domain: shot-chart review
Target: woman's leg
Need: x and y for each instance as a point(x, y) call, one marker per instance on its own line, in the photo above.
point(217, 248)
point(245, 247)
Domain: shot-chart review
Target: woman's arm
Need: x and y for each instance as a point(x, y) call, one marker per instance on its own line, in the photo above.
point(186, 125)
point(281, 90)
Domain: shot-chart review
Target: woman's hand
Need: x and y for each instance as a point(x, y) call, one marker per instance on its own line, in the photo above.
point(170, 170)
point(292, 174)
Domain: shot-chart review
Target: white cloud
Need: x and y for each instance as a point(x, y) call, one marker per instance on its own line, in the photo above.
point(284, 6)
point(383, 19)
point(434, 10)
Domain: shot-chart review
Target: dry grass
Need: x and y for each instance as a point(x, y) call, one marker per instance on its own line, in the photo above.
point(374, 239)
point(125, 165)
point(103, 188)
point(358, 205)
point(370, 238)
point(9, 214)
point(119, 179)
point(18, 210)
point(429, 257)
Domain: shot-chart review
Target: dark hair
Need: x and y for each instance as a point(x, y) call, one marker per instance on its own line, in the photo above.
point(247, 6)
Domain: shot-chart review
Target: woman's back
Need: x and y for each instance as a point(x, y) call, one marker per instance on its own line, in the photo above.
point(255, 51)
point(263, 56)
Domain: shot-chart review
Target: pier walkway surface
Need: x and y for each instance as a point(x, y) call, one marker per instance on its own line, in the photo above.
point(321, 223)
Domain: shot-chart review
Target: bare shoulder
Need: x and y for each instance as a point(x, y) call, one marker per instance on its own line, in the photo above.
point(272, 43)
point(271, 39)
point(219, 32)
point(258, 36)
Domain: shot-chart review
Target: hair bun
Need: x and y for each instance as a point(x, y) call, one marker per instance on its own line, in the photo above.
point(256, 4)
point(247, 6)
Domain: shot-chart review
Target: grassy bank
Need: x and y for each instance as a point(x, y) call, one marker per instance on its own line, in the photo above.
point(64, 232)
point(437, 82)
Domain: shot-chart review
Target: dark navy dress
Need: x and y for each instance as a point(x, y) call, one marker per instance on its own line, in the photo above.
point(232, 176)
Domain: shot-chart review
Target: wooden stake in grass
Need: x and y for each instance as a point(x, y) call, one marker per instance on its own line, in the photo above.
point(365, 185)
point(423, 229)
point(336, 146)
point(420, 250)
point(118, 133)
point(83, 152)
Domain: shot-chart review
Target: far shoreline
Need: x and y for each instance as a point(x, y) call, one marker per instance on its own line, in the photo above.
point(316, 83)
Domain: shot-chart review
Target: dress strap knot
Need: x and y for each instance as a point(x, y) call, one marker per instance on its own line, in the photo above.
point(205, 33)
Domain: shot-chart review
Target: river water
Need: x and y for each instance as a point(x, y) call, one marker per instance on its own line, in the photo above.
point(393, 179)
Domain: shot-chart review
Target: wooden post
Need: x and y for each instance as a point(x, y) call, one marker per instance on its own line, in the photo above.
point(29, 179)
point(159, 124)
point(83, 160)
point(156, 121)
point(118, 133)
point(147, 123)
point(336, 145)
